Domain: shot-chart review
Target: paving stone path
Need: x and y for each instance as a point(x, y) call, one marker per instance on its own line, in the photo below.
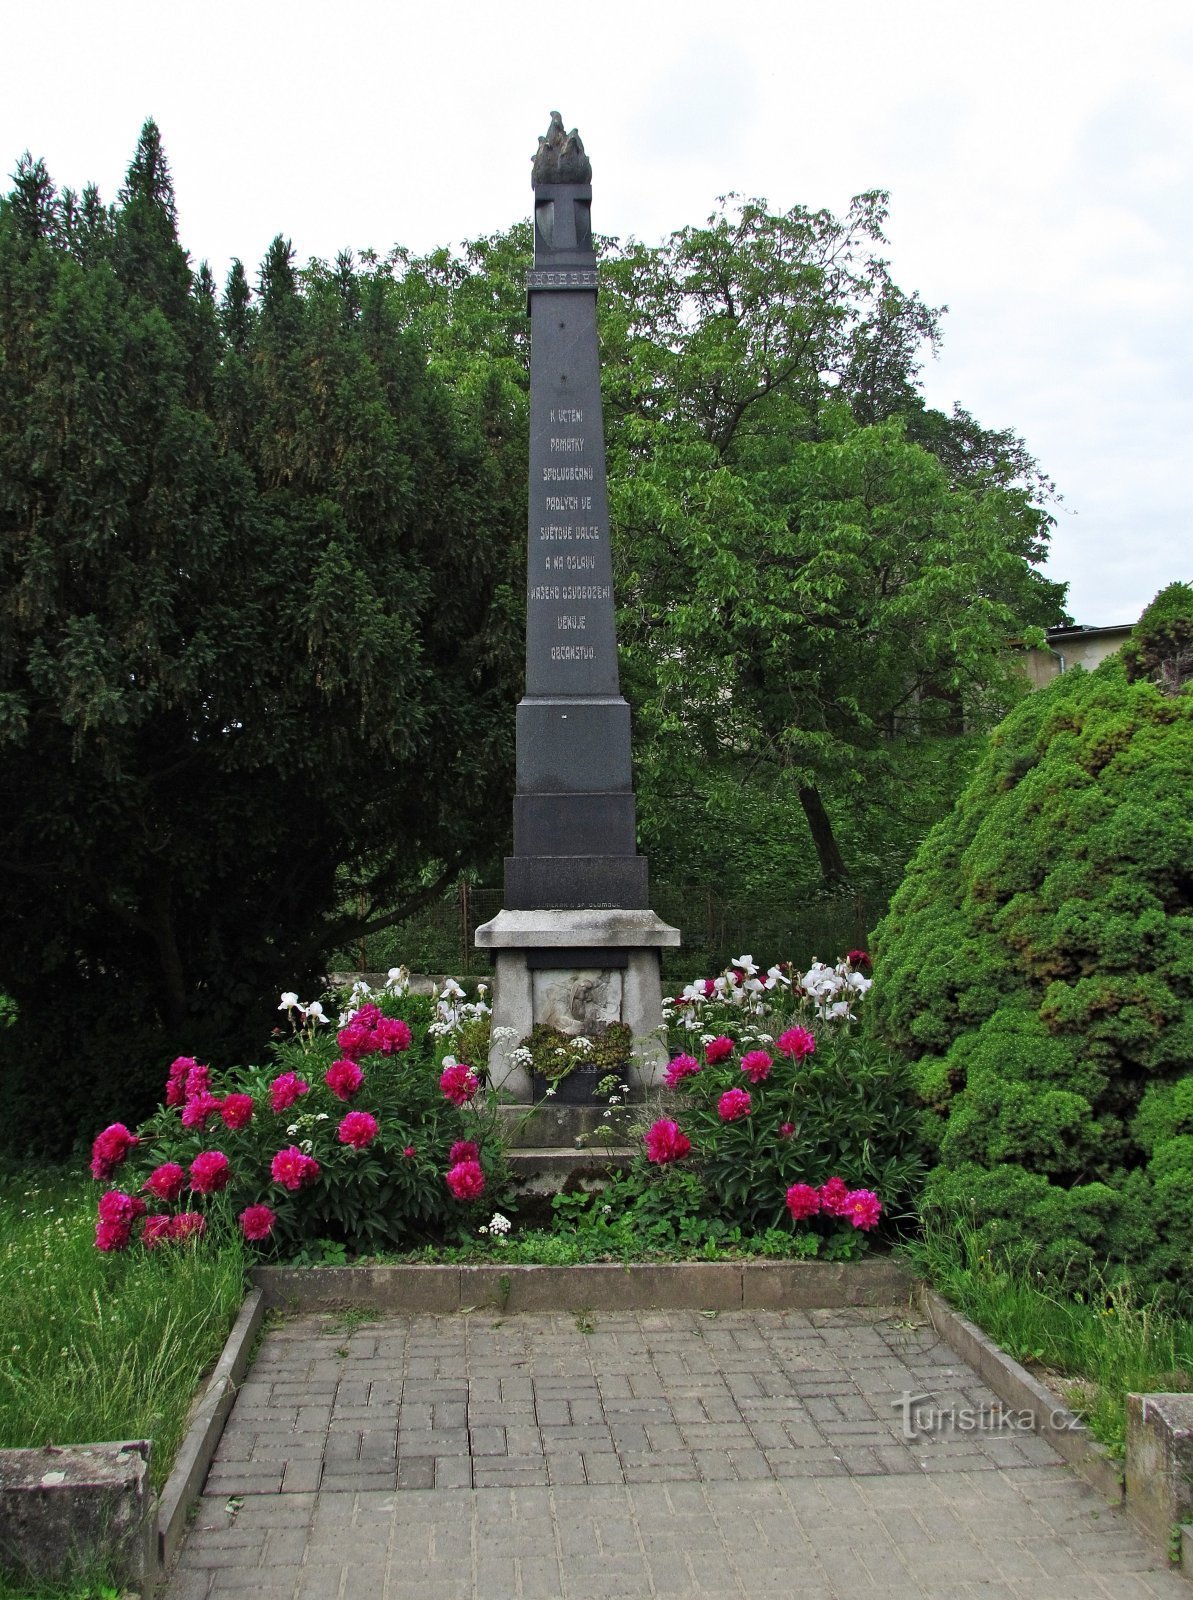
point(680, 1454)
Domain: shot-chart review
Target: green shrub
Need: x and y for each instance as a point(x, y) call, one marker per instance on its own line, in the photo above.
point(1037, 968)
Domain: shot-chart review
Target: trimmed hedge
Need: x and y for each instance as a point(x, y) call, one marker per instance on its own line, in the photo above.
point(1037, 963)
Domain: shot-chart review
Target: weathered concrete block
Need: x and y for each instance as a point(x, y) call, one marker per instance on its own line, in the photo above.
point(67, 1510)
point(823, 1285)
point(412, 1289)
point(1160, 1461)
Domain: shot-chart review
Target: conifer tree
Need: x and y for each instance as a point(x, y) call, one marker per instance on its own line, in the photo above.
point(254, 686)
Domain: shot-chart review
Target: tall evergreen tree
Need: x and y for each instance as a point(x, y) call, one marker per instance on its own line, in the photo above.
point(254, 679)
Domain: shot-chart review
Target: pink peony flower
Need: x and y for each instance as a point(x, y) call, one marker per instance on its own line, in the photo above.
point(198, 1081)
point(710, 988)
point(833, 1195)
point(113, 1235)
point(392, 1035)
point(679, 1068)
point(796, 1043)
point(786, 1129)
point(803, 1201)
point(459, 1083)
point(355, 1040)
point(197, 1112)
point(717, 1049)
point(358, 1129)
point(463, 1150)
point(237, 1111)
point(187, 1225)
point(256, 1223)
point(359, 1038)
point(409, 1151)
point(120, 1209)
point(284, 1091)
point(166, 1182)
point(176, 1082)
point(292, 1168)
point(155, 1231)
point(343, 1078)
point(862, 1207)
point(109, 1150)
point(466, 1180)
point(210, 1172)
point(666, 1142)
point(733, 1104)
point(756, 1065)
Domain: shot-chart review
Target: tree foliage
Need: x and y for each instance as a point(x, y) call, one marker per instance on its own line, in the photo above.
point(258, 635)
point(1038, 961)
point(811, 566)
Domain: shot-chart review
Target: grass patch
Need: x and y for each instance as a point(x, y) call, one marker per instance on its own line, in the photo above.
point(96, 1347)
point(97, 1588)
point(1098, 1344)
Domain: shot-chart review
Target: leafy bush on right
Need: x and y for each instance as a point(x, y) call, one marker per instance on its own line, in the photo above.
point(1037, 964)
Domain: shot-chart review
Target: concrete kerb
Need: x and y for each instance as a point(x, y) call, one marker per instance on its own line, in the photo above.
point(208, 1417)
point(1017, 1389)
point(663, 1286)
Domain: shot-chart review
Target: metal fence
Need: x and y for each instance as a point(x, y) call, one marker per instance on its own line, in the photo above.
point(779, 926)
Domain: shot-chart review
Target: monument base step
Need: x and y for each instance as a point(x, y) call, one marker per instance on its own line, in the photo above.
point(549, 1170)
point(551, 1126)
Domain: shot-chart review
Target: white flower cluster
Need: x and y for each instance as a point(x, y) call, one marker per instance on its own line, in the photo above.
point(832, 991)
point(452, 1010)
point(497, 1225)
point(521, 1057)
point(357, 996)
point(311, 1011)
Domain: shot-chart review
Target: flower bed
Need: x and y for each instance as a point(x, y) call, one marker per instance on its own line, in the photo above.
point(783, 1132)
point(362, 1135)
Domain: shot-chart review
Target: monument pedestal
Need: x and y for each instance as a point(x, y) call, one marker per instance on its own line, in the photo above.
point(577, 970)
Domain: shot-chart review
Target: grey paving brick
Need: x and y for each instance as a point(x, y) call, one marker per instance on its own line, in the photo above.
point(598, 1496)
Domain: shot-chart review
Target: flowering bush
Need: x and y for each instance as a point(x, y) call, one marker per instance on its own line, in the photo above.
point(785, 1113)
point(274, 1150)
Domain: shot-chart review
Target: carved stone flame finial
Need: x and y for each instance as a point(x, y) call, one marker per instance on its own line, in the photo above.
point(560, 157)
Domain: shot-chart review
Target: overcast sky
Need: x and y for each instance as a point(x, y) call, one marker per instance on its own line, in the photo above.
point(1039, 158)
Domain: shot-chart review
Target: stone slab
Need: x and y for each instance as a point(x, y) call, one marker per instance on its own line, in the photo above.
point(580, 927)
point(593, 1286)
point(1159, 1468)
point(390, 1289)
point(68, 1510)
point(809, 1285)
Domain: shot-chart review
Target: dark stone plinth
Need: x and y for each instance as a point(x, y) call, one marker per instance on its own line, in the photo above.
point(579, 955)
point(562, 883)
point(574, 824)
point(573, 744)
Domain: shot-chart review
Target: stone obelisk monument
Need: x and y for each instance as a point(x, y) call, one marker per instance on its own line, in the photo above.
point(576, 944)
